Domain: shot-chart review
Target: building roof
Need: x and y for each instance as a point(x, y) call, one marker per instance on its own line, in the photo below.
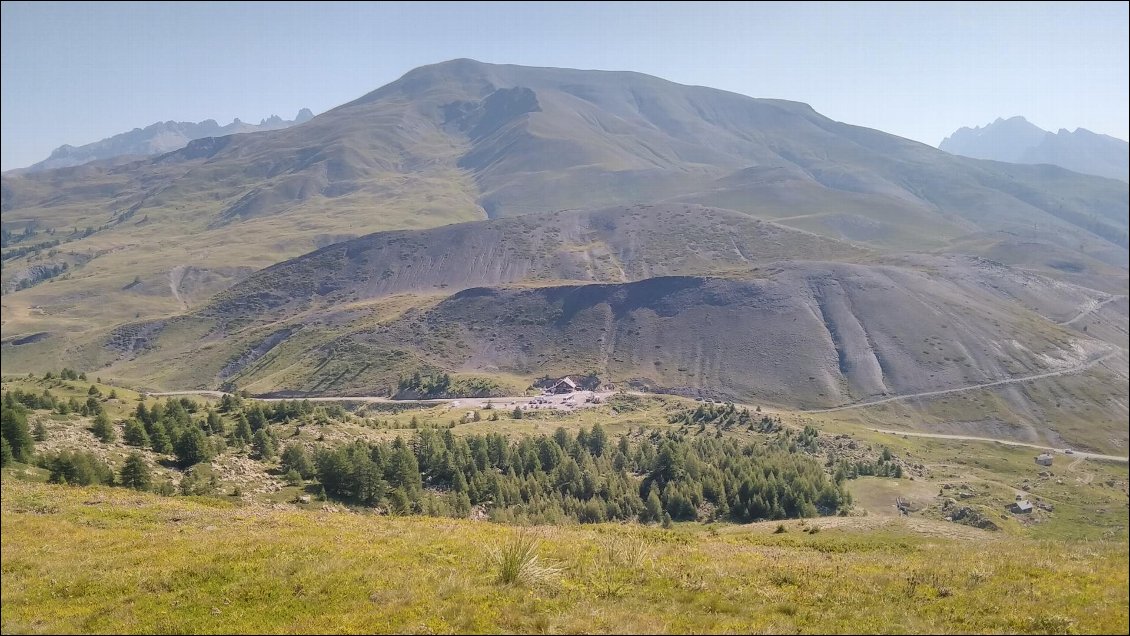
point(567, 382)
point(1024, 505)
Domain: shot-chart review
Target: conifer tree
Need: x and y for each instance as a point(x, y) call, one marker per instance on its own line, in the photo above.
point(103, 428)
point(242, 433)
point(263, 445)
point(135, 434)
point(294, 458)
point(13, 427)
point(135, 473)
point(192, 448)
point(159, 438)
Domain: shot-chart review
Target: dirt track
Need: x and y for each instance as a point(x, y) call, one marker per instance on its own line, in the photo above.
point(1090, 310)
point(1079, 454)
point(973, 387)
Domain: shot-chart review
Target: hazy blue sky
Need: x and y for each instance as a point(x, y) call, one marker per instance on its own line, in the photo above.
point(75, 73)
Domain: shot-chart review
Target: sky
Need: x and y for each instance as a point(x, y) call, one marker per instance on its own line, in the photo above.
point(74, 73)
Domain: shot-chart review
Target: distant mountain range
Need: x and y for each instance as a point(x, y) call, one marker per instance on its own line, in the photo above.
point(158, 138)
point(1016, 140)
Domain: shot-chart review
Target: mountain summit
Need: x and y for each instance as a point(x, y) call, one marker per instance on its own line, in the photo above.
point(1016, 140)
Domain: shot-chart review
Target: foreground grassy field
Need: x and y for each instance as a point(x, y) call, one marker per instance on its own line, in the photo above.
point(79, 560)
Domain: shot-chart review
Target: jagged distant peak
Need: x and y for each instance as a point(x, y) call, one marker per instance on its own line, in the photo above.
point(1017, 140)
point(157, 138)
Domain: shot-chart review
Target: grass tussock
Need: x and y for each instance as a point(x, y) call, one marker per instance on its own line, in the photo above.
point(517, 562)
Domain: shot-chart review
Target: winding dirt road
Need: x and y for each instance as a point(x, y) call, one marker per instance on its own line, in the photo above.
point(1090, 310)
point(1086, 476)
point(973, 387)
point(1080, 455)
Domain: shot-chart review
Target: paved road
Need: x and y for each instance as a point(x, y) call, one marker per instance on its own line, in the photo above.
point(1078, 454)
point(1027, 378)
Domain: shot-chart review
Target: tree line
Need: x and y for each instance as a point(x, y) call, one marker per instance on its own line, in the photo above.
point(584, 477)
point(725, 417)
point(442, 385)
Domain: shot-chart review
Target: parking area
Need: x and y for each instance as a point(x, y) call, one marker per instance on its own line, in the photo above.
point(549, 402)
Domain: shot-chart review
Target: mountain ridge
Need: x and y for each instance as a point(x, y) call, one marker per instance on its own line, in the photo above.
point(1016, 140)
point(155, 139)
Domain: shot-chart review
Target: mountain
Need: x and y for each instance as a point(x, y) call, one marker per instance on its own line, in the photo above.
point(158, 138)
point(465, 141)
point(1084, 151)
point(1015, 140)
point(1002, 140)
